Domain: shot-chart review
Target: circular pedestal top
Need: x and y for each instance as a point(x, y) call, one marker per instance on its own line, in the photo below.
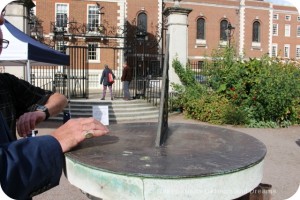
point(190, 151)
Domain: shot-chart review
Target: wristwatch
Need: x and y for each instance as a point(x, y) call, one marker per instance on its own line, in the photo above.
point(43, 109)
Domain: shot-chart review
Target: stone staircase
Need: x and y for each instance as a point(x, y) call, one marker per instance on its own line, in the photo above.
point(118, 109)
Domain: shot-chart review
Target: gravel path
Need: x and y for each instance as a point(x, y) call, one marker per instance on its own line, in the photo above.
point(281, 167)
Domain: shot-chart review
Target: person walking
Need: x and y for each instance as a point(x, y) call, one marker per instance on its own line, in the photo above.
point(107, 79)
point(126, 79)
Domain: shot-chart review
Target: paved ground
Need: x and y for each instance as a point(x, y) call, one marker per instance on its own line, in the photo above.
point(281, 169)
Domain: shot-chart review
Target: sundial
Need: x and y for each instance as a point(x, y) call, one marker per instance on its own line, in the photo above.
point(166, 161)
point(147, 161)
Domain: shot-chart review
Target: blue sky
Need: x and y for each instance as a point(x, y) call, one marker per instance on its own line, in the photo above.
point(280, 2)
point(295, 3)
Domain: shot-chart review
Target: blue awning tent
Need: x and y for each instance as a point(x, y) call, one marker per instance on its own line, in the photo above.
point(25, 51)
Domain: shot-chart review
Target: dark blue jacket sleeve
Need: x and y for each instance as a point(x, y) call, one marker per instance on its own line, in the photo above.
point(30, 166)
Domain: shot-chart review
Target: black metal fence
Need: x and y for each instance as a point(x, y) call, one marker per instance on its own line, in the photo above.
point(147, 70)
point(74, 80)
point(200, 70)
point(51, 78)
point(78, 72)
point(71, 81)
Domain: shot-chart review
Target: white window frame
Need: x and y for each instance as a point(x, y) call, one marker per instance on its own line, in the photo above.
point(298, 18)
point(288, 18)
point(94, 30)
point(60, 45)
point(298, 31)
point(67, 12)
point(286, 51)
point(275, 29)
point(97, 59)
point(287, 30)
point(274, 50)
point(275, 16)
point(297, 51)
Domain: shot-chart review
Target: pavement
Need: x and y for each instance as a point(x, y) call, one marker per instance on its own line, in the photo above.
point(281, 165)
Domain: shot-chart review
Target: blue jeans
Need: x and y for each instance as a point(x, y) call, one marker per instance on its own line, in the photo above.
point(126, 89)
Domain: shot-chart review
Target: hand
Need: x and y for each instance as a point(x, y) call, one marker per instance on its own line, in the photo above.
point(73, 132)
point(28, 122)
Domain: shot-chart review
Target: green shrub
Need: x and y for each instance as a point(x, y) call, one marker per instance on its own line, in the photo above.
point(188, 91)
point(235, 116)
point(261, 92)
point(265, 87)
point(209, 108)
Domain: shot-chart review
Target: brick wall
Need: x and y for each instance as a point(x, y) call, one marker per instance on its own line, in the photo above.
point(212, 10)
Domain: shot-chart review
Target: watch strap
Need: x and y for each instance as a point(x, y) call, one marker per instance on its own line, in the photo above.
point(47, 114)
point(43, 109)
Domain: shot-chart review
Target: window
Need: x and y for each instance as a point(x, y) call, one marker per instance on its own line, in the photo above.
point(274, 50)
point(275, 29)
point(223, 27)
point(61, 15)
point(298, 51)
point(287, 30)
point(298, 18)
point(93, 18)
point(201, 29)
point(256, 32)
point(93, 54)
point(60, 46)
point(142, 22)
point(298, 31)
point(275, 16)
point(286, 50)
point(288, 18)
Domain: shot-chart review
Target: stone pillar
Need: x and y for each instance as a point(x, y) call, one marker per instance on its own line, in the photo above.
point(177, 25)
point(242, 28)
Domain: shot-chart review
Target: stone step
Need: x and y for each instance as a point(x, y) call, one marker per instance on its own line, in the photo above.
point(119, 110)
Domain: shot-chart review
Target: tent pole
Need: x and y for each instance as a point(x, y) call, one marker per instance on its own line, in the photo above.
point(69, 95)
point(27, 71)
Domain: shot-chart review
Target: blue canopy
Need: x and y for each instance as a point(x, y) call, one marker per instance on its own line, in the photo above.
point(24, 50)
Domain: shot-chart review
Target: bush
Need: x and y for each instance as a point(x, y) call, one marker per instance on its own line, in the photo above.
point(209, 108)
point(265, 87)
point(188, 91)
point(235, 116)
point(261, 92)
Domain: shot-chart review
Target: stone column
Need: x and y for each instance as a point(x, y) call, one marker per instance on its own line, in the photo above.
point(177, 25)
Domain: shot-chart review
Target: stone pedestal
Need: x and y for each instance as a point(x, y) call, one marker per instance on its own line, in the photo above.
point(197, 162)
point(177, 25)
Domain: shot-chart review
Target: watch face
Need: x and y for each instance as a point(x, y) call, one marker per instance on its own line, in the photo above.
point(41, 108)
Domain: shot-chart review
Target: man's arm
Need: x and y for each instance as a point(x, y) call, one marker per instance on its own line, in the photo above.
point(28, 121)
point(30, 166)
point(56, 103)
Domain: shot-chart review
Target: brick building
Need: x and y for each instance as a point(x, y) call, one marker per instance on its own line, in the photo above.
point(116, 30)
point(259, 27)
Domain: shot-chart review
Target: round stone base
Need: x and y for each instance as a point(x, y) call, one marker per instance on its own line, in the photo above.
point(197, 162)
